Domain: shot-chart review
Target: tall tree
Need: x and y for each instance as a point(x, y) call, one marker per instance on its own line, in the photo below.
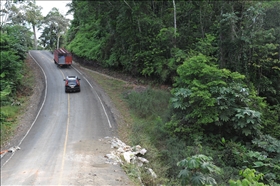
point(54, 24)
point(26, 14)
point(33, 16)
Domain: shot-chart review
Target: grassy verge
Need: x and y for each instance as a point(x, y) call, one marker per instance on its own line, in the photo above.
point(15, 104)
point(115, 88)
point(8, 121)
point(143, 111)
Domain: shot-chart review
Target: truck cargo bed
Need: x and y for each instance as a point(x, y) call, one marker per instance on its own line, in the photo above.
point(62, 57)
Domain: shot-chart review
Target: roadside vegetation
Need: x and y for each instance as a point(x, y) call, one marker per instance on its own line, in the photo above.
point(19, 22)
point(218, 124)
point(16, 78)
point(147, 113)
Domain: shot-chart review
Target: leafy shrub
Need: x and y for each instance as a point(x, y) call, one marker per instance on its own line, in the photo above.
point(209, 98)
point(265, 160)
point(271, 120)
point(268, 144)
point(198, 170)
point(250, 179)
point(11, 65)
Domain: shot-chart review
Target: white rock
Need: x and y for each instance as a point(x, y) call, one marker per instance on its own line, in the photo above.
point(127, 156)
point(152, 173)
point(144, 160)
point(143, 151)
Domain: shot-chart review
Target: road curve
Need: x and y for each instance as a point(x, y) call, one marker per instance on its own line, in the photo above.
point(63, 146)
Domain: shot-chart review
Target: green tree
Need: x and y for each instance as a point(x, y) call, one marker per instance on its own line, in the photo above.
point(206, 96)
point(11, 65)
point(55, 25)
point(33, 16)
point(26, 14)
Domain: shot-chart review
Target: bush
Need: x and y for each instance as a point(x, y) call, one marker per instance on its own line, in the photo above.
point(213, 99)
point(250, 178)
point(198, 170)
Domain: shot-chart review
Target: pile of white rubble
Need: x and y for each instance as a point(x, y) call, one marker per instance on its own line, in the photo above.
point(123, 153)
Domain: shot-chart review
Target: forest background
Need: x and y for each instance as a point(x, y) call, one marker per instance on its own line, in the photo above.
point(219, 121)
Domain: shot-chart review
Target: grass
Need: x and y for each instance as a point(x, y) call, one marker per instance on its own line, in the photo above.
point(142, 113)
point(14, 105)
point(114, 88)
point(8, 121)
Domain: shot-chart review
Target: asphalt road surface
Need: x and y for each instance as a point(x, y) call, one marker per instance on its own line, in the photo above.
point(63, 146)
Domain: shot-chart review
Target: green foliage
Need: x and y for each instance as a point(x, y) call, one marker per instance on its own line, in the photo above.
point(140, 38)
point(250, 179)
point(226, 55)
point(11, 65)
point(198, 170)
point(55, 26)
point(4, 93)
point(265, 160)
point(92, 49)
point(7, 121)
point(26, 14)
point(13, 46)
point(207, 95)
point(19, 39)
point(206, 45)
point(268, 144)
point(155, 58)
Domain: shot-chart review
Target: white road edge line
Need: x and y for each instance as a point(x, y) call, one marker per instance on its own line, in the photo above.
point(46, 88)
point(98, 98)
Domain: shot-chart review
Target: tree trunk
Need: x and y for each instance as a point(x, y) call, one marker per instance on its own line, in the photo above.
point(221, 50)
point(35, 37)
point(175, 24)
point(201, 22)
point(279, 53)
point(138, 22)
point(57, 44)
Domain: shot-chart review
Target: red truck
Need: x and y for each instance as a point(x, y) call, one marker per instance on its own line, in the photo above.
point(62, 57)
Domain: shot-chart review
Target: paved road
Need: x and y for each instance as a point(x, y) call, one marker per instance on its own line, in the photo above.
point(63, 146)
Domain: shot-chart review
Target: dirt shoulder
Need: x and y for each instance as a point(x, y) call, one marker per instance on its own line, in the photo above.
point(31, 106)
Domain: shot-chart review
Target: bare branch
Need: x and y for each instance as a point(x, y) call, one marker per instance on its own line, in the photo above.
point(127, 4)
